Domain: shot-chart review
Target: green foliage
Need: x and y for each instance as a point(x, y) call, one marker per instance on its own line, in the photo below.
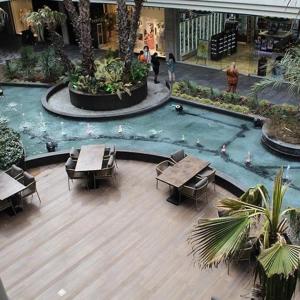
point(111, 53)
point(35, 66)
point(139, 71)
point(219, 239)
point(45, 18)
point(11, 69)
point(108, 78)
point(27, 61)
point(51, 69)
point(11, 148)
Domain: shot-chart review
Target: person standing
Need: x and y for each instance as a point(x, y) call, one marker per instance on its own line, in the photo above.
point(171, 67)
point(141, 57)
point(147, 55)
point(155, 64)
point(232, 78)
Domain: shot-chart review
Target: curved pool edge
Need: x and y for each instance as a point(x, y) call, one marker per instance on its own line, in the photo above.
point(103, 115)
point(222, 179)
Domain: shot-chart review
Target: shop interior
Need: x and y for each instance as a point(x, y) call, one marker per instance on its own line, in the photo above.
point(257, 42)
point(150, 31)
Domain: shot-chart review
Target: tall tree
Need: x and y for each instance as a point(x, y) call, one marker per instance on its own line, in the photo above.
point(127, 28)
point(82, 27)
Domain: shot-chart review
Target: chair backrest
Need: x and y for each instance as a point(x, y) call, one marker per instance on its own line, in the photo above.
point(200, 187)
point(70, 167)
point(112, 150)
point(30, 183)
point(178, 155)
point(15, 171)
point(74, 153)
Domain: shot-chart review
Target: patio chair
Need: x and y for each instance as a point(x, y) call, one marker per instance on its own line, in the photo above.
point(110, 151)
point(161, 167)
point(7, 203)
point(178, 156)
point(30, 187)
point(210, 174)
point(108, 170)
point(15, 172)
point(194, 189)
point(72, 174)
point(74, 153)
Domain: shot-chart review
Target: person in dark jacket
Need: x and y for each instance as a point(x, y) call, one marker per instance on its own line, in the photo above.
point(155, 64)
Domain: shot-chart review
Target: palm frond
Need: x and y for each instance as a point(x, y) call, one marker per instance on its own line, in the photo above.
point(236, 206)
point(216, 240)
point(257, 195)
point(280, 259)
point(278, 194)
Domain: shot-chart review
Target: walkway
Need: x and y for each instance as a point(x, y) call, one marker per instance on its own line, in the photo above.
point(124, 242)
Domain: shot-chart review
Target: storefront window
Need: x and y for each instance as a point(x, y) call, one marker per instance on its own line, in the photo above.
point(151, 31)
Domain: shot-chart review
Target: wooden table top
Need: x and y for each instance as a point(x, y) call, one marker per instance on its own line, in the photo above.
point(90, 158)
point(9, 186)
point(183, 171)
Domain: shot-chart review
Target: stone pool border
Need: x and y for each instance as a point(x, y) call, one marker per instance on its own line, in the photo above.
point(27, 84)
point(103, 115)
point(222, 179)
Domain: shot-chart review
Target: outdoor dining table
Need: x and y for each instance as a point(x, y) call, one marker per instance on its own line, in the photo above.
point(9, 186)
point(90, 159)
point(179, 174)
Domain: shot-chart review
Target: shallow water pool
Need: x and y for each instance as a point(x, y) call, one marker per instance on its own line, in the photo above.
point(198, 131)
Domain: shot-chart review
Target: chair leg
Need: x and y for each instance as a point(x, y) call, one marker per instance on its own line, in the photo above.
point(13, 208)
point(156, 184)
point(69, 183)
point(39, 197)
point(214, 186)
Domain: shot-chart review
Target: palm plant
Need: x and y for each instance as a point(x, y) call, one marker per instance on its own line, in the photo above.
point(290, 66)
point(50, 19)
point(254, 214)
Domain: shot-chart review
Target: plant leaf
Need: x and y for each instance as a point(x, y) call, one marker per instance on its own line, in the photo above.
point(216, 240)
point(280, 259)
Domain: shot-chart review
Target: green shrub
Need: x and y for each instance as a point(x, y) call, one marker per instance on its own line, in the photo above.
point(50, 67)
point(27, 61)
point(11, 69)
point(139, 71)
point(11, 148)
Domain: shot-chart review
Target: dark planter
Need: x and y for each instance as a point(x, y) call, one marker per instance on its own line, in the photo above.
point(108, 101)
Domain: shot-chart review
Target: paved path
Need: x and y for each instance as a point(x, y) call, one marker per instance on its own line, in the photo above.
point(217, 79)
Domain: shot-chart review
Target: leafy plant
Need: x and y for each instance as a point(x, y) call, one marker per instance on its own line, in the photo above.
point(27, 61)
point(139, 71)
point(11, 148)
point(51, 69)
point(220, 239)
point(11, 69)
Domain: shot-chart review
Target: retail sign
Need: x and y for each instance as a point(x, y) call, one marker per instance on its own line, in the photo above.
point(202, 49)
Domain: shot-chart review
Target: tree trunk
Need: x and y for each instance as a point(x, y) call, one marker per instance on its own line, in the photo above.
point(74, 18)
point(123, 30)
point(127, 32)
point(58, 45)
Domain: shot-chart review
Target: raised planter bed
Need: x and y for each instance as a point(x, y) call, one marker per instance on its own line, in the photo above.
point(279, 147)
point(108, 101)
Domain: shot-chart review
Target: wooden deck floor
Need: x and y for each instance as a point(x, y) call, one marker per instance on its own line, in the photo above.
point(110, 243)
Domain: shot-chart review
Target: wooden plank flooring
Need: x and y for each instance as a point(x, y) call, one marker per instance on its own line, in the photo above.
point(123, 242)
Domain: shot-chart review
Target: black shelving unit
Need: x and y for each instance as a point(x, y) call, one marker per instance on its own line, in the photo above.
point(222, 44)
